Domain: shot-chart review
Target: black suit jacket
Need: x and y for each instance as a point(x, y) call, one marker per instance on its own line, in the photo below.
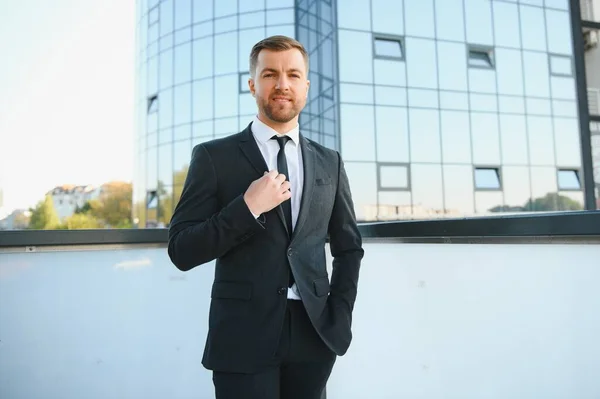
point(253, 257)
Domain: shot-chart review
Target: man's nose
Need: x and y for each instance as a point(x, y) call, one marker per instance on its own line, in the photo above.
point(283, 83)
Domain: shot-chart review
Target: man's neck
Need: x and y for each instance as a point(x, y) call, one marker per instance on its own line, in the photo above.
point(280, 128)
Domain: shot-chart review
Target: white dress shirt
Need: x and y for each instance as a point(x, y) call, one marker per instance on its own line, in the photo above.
point(269, 149)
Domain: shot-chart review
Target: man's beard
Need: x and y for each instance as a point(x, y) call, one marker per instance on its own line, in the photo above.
point(278, 112)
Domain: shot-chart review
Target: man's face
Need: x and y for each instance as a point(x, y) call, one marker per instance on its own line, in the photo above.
point(280, 84)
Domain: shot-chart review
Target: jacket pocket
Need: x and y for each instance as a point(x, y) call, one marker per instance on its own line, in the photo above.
point(321, 286)
point(231, 290)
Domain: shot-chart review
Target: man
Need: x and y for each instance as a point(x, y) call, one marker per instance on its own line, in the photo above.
point(262, 203)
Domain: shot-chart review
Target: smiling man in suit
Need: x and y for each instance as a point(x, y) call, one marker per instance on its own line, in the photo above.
point(263, 203)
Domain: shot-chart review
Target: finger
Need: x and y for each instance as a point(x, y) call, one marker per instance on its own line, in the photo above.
point(273, 173)
point(280, 178)
point(286, 186)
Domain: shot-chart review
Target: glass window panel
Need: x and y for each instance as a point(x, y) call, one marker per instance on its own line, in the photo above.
point(560, 65)
point(568, 180)
point(360, 94)
point(481, 58)
point(536, 106)
point(202, 95)
point(183, 36)
point(247, 104)
point(563, 88)
point(485, 201)
point(363, 185)
point(203, 13)
point(456, 137)
point(151, 168)
point(226, 57)
point(166, 42)
point(355, 14)
point(166, 69)
point(225, 7)
point(391, 73)
point(558, 26)
point(424, 135)
point(541, 140)
point(153, 33)
point(479, 22)
point(252, 20)
point(248, 38)
point(202, 129)
point(388, 16)
point(226, 24)
point(452, 66)
point(419, 18)
point(327, 58)
point(487, 179)
point(517, 188)
point(566, 136)
point(165, 136)
point(428, 195)
point(482, 81)
point(279, 3)
point(182, 151)
point(251, 5)
point(390, 96)
point(153, 75)
point(203, 60)
point(226, 126)
point(183, 104)
point(485, 139)
point(183, 13)
point(421, 63)
point(152, 122)
point(533, 28)
point(244, 85)
point(392, 134)
point(153, 16)
point(543, 182)
point(560, 4)
point(202, 30)
point(509, 71)
point(484, 102)
point(280, 17)
point(514, 139)
point(450, 20)
point(423, 98)
point(537, 82)
point(165, 111)
point(506, 24)
point(183, 63)
point(458, 190)
point(455, 101)
point(533, 2)
point(393, 176)
point(182, 132)
point(166, 17)
point(392, 48)
point(357, 132)
point(165, 164)
point(564, 108)
point(285, 30)
point(394, 205)
point(226, 90)
point(355, 63)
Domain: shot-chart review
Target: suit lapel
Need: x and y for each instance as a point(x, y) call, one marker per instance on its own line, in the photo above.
point(308, 161)
point(252, 153)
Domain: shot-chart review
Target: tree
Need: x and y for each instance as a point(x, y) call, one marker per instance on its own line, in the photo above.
point(113, 206)
point(81, 221)
point(553, 202)
point(44, 216)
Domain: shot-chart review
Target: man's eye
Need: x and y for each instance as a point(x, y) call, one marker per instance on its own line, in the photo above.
point(268, 75)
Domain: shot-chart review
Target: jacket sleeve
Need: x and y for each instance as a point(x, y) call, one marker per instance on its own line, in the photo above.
point(345, 244)
point(200, 229)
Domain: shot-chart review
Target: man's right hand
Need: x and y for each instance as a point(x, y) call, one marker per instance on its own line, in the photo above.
point(267, 192)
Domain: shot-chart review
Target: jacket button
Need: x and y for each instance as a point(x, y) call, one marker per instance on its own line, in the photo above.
point(290, 252)
point(282, 290)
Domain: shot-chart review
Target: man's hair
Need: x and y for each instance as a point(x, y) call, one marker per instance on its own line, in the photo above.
point(275, 43)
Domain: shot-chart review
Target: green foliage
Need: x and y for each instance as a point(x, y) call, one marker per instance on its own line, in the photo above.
point(548, 203)
point(44, 216)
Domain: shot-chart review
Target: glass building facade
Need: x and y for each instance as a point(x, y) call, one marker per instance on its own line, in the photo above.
point(439, 108)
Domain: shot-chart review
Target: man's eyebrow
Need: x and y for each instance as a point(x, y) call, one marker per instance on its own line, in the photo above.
point(275, 71)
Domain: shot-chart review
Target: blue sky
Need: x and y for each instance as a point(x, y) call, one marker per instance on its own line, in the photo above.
point(67, 103)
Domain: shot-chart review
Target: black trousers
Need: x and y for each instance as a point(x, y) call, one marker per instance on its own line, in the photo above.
point(302, 367)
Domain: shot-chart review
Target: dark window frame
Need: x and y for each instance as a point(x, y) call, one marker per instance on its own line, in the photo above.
point(394, 164)
point(577, 172)
point(389, 38)
point(497, 168)
point(477, 48)
point(550, 55)
point(243, 88)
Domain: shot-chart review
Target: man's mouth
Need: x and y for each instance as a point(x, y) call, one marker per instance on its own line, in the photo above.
point(282, 99)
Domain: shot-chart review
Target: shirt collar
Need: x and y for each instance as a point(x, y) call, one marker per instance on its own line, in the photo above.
point(263, 132)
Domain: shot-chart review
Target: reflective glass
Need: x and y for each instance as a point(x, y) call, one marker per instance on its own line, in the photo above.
point(182, 132)
point(449, 16)
point(564, 108)
point(566, 136)
point(558, 26)
point(153, 33)
point(278, 3)
point(353, 93)
point(327, 58)
point(203, 13)
point(428, 195)
point(486, 201)
point(153, 16)
point(482, 80)
point(183, 63)
point(391, 73)
point(424, 135)
point(536, 106)
point(485, 139)
point(248, 38)
point(182, 154)
point(202, 95)
point(421, 63)
point(516, 186)
point(390, 96)
point(423, 98)
point(226, 24)
point(252, 20)
point(226, 89)
point(165, 136)
point(226, 126)
point(226, 57)
point(484, 102)
point(512, 105)
point(355, 14)
point(452, 66)
point(153, 75)
point(165, 111)
point(166, 42)
point(355, 60)
point(151, 168)
point(543, 182)
point(506, 24)
point(280, 17)
point(387, 17)
point(165, 164)
point(456, 137)
point(203, 60)
point(481, 58)
point(388, 48)
point(357, 132)
point(166, 69)
point(479, 22)
point(394, 205)
point(568, 180)
point(560, 65)
point(487, 179)
point(458, 190)
point(533, 2)
point(392, 134)
point(393, 176)
point(419, 18)
point(563, 88)
point(183, 13)
point(166, 17)
point(247, 104)
point(541, 140)
point(509, 70)
point(285, 30)
point(536, 74)
point(533, 28)
point(251, 5)
point(202, 130)
point(453, 100)
point(513, 137)
point(363, 184)
point(560, 4)
point(225, 7)
point(183, 104)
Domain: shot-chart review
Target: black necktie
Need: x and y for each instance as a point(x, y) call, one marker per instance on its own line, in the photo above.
point(287, 204)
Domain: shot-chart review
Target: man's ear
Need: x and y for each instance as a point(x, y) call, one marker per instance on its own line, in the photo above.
point(307, 87)
point(251, 86)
